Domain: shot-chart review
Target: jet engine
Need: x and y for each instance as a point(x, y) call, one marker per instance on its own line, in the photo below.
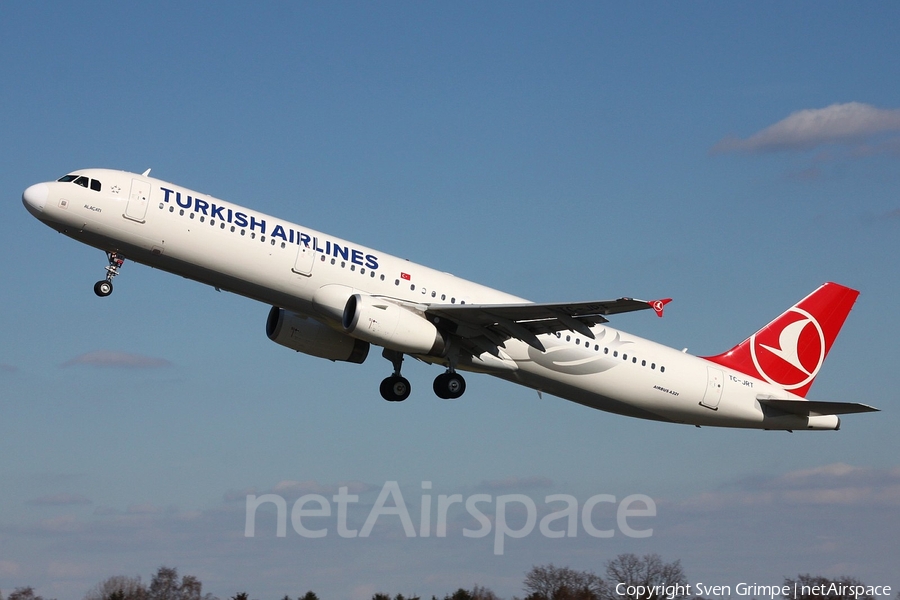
point(391, 325)
point(305, 334)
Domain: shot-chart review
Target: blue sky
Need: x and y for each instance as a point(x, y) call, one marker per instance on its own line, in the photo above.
point(731, 156)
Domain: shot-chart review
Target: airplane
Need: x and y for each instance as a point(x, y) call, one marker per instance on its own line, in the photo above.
point(333, 299)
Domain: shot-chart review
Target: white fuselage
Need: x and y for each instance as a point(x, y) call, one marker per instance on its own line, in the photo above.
point(283, 264)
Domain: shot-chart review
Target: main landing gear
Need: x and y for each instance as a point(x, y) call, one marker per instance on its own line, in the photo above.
point(449, 385)
point(396, 388)
point(104, 287)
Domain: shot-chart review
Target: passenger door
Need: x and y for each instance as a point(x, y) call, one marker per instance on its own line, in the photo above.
point(304, 262)
point(715, 380)
point(138, 201)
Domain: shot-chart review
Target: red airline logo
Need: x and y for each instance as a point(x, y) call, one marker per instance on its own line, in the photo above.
point(790, 351)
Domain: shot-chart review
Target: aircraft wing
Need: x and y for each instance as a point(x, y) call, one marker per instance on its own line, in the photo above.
point(499, 322)
point(814, 408)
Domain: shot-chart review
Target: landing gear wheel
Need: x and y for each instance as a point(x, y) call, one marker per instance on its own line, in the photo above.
point(395, 388)
point(103, 288)
point(449, 386)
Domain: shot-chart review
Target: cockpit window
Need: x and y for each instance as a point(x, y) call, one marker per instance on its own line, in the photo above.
point(82, 181)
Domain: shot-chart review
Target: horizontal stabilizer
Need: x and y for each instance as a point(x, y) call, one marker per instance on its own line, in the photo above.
point(814, 408)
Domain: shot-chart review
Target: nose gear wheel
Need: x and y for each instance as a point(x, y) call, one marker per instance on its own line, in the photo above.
point(104, 287)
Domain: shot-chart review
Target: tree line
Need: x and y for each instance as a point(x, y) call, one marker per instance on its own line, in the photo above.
point(626, 577)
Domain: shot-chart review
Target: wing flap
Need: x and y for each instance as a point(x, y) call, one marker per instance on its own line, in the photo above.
point(528, 320)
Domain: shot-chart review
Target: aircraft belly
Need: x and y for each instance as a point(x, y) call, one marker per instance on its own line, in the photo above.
point(674, 395)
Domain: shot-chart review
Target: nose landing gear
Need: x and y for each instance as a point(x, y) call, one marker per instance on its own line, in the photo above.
point(104, 287)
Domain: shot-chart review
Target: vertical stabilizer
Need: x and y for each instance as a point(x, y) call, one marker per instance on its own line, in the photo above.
point(790, 351)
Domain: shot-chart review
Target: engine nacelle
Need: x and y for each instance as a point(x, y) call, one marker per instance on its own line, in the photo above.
point(305, 334)
point(391, 325)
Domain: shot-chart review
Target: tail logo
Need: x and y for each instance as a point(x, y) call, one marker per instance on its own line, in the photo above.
point(790, 352)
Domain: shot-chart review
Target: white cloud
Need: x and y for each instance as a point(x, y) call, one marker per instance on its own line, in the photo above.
point(836, 484)
point(517, 483)
point(60, 524)
point(290, 488)
point(9, 568)
point(106, 358)
point(860, 126)
point(59, 500)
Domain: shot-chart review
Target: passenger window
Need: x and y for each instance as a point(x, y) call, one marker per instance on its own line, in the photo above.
point(95, 185)
point(662, 369)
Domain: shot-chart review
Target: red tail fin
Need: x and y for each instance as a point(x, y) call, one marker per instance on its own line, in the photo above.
point(789, 351)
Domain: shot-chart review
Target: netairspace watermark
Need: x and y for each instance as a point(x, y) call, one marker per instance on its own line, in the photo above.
point(797, 590)
point(489, 511)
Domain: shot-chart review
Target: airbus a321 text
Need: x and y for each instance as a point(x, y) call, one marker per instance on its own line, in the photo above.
point(333, 299)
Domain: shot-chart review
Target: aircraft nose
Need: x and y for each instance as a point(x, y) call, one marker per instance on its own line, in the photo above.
point(35, 197)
